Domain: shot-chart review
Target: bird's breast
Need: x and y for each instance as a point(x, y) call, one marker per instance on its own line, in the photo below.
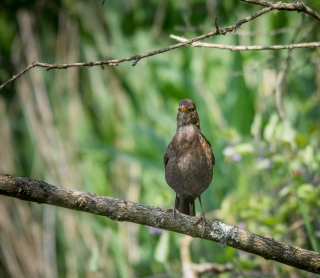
point(189, 169)
point(193, 151)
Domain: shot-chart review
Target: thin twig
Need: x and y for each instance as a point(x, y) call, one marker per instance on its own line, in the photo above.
point(137, 58)
point(282, 75)
point(247, 48)
point(34, 64)
point(123, 210)
point(299, 6)
point(242, 33)
point(193, 270)
point(216, 24)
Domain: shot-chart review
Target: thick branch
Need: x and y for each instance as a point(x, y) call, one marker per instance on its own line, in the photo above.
point(123, 210)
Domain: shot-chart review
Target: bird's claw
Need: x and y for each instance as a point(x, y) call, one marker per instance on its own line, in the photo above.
point(204, 220)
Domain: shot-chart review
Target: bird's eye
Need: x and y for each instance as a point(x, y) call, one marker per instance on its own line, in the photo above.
point(192, 109)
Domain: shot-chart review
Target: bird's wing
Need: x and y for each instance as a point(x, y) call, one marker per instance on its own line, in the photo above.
point(212, 158)
point(166, 157)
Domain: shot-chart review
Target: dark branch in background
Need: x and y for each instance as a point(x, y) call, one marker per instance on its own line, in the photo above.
point(298, 6)
point(123, 210)
point(269, 6)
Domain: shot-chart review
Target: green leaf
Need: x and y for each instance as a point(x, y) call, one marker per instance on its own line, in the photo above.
point(305, 191)
point(270, 128)
point(285, 132)
point(311, 233)
point(244, 149)
point(161, 252)
point(256, 125)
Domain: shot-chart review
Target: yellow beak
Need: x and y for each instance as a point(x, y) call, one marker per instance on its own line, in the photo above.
point(184, 108)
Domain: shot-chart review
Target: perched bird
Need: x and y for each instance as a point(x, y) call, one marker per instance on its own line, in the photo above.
point(188, 160)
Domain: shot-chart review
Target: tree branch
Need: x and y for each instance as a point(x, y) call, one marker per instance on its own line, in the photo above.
point(122, 210)
point(137, 58)
point(246, 48)
point(269, 6)
point(298, 6)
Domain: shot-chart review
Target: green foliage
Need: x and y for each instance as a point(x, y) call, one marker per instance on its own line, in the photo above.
point(106, 131)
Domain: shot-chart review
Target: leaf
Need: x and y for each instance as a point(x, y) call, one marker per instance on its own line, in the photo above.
point(256, 125)
point(285, 132)
point(244, 148)
point(162, 248)
point(270, 128)
point(305, 191)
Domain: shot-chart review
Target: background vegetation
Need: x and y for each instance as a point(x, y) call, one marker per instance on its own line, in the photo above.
point(106, 131)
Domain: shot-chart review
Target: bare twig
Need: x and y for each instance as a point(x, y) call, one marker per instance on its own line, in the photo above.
point(216, 24)
point(298, 6)
point(193, 270)
point(242, 33)
point(123, 210)
point(246, 48)
point(282, 75)
point(137, 58)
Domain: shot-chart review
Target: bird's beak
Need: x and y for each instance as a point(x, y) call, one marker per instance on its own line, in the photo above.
point(184, 108)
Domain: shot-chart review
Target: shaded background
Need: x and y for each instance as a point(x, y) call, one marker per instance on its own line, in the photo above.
point(106, 131)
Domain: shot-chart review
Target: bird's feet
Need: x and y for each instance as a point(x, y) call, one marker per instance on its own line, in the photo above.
point(204, 220)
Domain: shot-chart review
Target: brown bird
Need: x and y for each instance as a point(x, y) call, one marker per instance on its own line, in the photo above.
point(188, 160)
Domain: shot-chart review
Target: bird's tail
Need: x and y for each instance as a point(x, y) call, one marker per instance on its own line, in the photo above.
point(185, 205)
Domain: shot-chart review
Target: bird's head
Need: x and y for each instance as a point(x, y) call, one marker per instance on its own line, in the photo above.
point(187, 114)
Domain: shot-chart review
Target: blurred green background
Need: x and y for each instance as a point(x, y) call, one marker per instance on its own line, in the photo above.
point(106, 131)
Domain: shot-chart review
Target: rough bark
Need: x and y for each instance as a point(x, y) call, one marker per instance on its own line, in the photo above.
point(122, 210)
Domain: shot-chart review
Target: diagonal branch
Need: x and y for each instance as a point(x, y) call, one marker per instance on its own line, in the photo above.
point(123, 210)
point(137, 58)
point(269, 6)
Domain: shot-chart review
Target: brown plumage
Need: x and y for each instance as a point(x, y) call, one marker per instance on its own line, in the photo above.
point(188, 160)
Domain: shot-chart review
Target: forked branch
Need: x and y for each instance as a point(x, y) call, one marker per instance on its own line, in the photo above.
point(269, 6)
